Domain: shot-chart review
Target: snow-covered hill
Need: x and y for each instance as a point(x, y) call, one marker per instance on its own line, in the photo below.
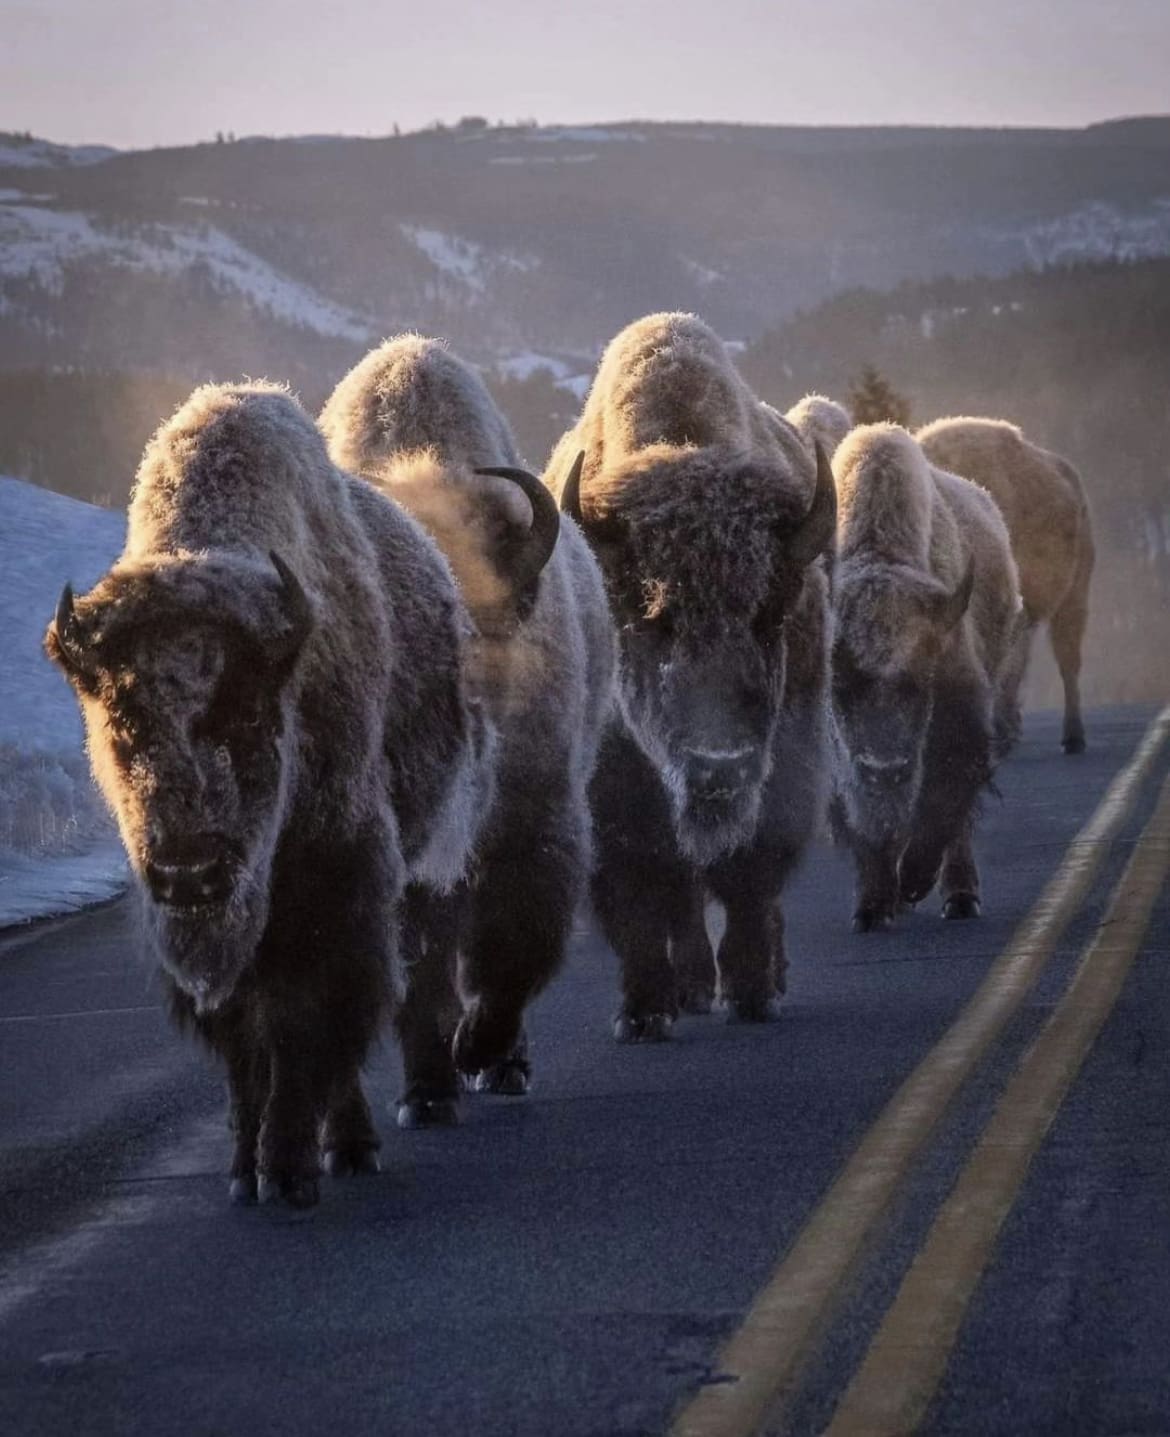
point(288, 257)
point(58, 848)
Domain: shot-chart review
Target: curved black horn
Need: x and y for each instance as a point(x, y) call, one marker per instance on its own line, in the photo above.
point(70, 646)
point(571, 493)
point(820, 521)
point(533, 552)
point(298, 609)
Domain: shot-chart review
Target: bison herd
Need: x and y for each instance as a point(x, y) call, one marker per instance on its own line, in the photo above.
point(373, 705)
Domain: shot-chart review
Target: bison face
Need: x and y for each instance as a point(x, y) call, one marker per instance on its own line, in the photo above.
point(705, 715)
point(893, 630)
point(187, 723)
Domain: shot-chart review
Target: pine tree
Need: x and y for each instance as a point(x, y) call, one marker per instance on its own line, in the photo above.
point(873, 399)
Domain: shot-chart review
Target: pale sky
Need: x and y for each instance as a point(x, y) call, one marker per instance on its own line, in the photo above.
point(153, 72)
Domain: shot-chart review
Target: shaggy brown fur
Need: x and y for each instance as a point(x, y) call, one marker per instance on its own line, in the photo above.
point(418, 422)
point(928, 606)
point(705, 510)
point(271, 677)
point(1044, 506)
point(820, 420)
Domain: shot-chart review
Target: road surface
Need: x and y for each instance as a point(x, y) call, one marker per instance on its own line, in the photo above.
point(579, 1263)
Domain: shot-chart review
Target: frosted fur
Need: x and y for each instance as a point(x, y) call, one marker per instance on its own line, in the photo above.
point(692, 493)
point(417, 421)
point(818, 418)
point(928, 611)
point(1043, 503)
point(274, 672)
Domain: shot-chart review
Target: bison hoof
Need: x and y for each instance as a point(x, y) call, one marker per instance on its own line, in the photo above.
point(961, 905)
point(649, 1028)
point(509, 1079)
point(1073, 743)
point(753, 1009)
point(296, 1191)
point(696, 998)
point(351, 1162)
point(422, 1112)
point(242, 1191)
point(871, 920)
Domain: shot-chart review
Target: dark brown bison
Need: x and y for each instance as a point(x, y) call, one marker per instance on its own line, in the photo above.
point(710, 519)
point(271, 677)
point(927, 609)
point(419, 423)
point(1043, 504)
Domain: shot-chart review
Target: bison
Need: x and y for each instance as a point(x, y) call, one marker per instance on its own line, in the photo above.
point(709, 518)
point(927, 609)
point(419, 423)
point(272, 682)
point(820, 420)
point(1043, 504)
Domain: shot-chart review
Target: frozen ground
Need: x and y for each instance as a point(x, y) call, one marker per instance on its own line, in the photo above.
point(58, 849)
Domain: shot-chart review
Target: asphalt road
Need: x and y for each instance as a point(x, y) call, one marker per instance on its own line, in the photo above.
point(570, 1263)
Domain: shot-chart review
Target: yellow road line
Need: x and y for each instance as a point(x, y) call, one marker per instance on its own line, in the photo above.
point(908, 1355)
point(764, 1356)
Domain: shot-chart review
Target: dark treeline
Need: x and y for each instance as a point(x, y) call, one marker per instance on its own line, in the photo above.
point(1079, 357)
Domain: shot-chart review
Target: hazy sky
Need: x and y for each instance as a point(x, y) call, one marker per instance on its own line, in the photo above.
point(148, 72)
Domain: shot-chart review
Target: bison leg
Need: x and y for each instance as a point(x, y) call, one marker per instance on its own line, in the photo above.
point(691, 953)
point(523, 902)
point(347, 1136)
point(1006, 721)
point(635, 905)
point(960, 878)
point(751, 960)
point(957, 764)
point(1067, 631)
point(429, 1011)
point(248, 1082)
point(877, 885)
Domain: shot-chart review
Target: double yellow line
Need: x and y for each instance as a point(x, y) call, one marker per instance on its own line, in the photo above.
point(890, 1393)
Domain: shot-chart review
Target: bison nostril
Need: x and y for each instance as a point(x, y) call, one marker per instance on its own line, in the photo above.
point(185, 885)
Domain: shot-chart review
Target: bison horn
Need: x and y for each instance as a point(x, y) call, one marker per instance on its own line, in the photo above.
point(953, 606)
point(298, 611)
point(820, 521)
point(571, 493)
point(70, 645)
point(529, 555)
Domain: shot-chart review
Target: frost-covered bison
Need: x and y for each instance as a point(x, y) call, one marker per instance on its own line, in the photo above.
point(710, 519)
point(820, 420)
point(1043, 504)
point(420, 424)
point(927, 608)
point(271, 677)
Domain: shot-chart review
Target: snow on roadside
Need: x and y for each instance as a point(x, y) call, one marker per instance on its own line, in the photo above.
point(58, 847)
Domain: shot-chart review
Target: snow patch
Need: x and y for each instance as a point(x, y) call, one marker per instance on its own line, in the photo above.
point(43, 154)
point(58, 848)
point(542, 159)
point(39, 244)
point(1099, 231)
point(464, 260)
point(583, 134)
point(528, 363)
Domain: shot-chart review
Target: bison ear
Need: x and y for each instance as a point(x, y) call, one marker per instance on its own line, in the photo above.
point(949, 608)
point(815, 534)
point(527, 556)
point(282, 650)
